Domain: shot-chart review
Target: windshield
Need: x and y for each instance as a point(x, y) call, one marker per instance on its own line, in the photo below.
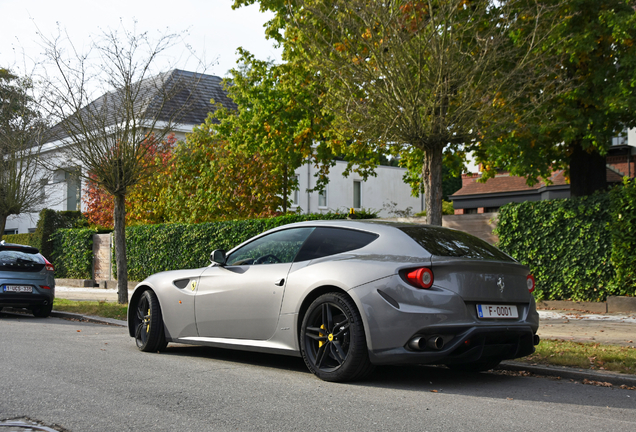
point(20, 261)
point(451, 243)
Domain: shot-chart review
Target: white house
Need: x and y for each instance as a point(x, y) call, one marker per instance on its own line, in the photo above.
point(63, 190)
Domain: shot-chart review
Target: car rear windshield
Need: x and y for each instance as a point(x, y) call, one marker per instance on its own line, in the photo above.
point(451, 243)
point(14, 260)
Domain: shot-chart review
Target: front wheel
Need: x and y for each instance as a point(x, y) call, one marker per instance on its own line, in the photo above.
point(149, 333)
point(332, 339)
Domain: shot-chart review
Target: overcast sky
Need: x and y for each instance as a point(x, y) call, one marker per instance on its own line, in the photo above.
point(214, 29)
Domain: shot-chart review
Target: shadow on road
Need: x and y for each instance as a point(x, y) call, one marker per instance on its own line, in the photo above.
point(435, 379)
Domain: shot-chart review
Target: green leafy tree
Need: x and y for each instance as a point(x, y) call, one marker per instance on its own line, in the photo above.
point(209, 181)
point(418, 76)
point(596, 42)
point(22, 132)
point(278, 115)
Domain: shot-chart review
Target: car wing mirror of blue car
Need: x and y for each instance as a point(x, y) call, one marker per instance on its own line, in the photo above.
point(218, 257)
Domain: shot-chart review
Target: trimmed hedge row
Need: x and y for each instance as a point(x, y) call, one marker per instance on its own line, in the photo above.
point(574, 247)
point(155, 248)
point(72, 253)
point(23, 239)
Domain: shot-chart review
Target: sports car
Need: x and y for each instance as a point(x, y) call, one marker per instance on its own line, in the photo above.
point(346, 296)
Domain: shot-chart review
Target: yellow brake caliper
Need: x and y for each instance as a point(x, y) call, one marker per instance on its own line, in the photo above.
point(148, 326)
point(321, 343)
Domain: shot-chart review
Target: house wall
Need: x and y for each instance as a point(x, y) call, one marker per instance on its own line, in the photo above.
point(387, 187)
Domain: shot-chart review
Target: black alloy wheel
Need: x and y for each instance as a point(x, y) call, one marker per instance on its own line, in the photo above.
point(333, 343)
point(149, 332)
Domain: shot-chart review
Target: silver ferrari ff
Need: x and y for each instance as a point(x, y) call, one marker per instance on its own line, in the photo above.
point(346, 296)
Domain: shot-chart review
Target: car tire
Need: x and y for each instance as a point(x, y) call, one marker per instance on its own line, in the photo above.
point(478, 366)
point(148, 323)
point(42, 311)
point(339, 353)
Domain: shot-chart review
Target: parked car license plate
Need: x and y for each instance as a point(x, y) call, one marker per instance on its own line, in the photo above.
point(18, 288)
point(497, 311)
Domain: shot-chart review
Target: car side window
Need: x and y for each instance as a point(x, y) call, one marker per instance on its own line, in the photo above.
point(278, 247)
point(325, 241)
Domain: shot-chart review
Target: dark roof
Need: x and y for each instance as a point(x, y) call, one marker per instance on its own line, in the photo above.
point(189, 92)
point(506, 183)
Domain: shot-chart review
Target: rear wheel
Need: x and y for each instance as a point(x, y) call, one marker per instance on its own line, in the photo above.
point(149, 332)
point(42, 311)
point(478, 366)
point(332, 338)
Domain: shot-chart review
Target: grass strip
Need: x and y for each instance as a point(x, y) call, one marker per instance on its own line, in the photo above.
point(580, 355)
point(97, 308)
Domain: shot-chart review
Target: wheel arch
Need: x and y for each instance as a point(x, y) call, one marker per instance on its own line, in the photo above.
point(317, 292)
point(132, 306)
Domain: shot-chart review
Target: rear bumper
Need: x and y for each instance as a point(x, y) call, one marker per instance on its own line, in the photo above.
point(25, 300)
point(466, 345)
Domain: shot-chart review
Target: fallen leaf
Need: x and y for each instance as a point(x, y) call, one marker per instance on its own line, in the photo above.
point(508, 398)
point(79, 331)
point(434, 391)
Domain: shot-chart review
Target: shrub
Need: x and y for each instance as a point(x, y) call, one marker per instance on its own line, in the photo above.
point(155, 248)
point(623, 228)
point(567, 244)
point(49, 222)
point(73, 253)
point(23, 239)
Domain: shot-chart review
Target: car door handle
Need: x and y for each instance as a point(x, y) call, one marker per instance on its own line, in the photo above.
point(279, 282)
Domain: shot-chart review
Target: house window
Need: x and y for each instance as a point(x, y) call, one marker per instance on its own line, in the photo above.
point(10, 231)
point(357, 199)
point(470, 211)
point(322, 198)
point(620, 139)
point(73, 191)
point(295, 193)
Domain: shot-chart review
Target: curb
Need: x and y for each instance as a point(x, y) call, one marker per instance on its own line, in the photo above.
point(89, 318)
point(614, 378)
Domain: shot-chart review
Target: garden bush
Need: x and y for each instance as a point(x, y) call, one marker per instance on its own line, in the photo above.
point(623, 228)
point(72, 253)
point(23, 239)
point(577, 248)
point(49, 222)
point(155, 248)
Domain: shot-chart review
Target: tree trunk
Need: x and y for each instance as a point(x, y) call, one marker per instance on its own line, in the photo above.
point(588, 171)
point(120, 249)
point(3, 223)
point(432, 177)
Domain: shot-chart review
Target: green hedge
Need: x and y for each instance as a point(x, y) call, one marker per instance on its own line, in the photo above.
point(23, 239)
point(574, 247)
point(155, 248)
point(49, 222)
point(623, 228)
point(72, 253)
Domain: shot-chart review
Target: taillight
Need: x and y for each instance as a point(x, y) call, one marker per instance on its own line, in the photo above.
point(45, 287)
point(48, 265)
point(421, 278)
point(530, 283)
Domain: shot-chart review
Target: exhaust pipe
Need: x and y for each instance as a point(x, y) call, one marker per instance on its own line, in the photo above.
point(536, 339)
point(435, 342)
point(418, 343)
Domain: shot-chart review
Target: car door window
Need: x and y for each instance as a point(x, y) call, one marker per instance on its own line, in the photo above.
point(279, 247)
point(325, 241)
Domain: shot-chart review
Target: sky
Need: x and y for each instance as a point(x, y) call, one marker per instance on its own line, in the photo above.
point(211, 27)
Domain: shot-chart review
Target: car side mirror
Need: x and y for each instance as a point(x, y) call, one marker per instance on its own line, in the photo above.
point(218, 257)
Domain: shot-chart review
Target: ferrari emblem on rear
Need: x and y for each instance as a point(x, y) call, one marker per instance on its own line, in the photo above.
point(500, 284)
point(193, 285)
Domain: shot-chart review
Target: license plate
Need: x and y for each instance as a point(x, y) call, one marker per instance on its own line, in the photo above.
point(18, 288)
point(497, 311)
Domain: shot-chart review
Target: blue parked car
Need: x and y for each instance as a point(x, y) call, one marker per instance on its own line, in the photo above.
point(26, 279)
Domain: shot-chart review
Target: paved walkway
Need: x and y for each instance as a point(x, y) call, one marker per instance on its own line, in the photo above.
point(614, 329)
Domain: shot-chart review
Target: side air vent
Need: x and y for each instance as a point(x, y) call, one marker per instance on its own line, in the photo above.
point(181, 283)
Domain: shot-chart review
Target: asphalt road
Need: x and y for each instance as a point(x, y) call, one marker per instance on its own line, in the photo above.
point(91, 377)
